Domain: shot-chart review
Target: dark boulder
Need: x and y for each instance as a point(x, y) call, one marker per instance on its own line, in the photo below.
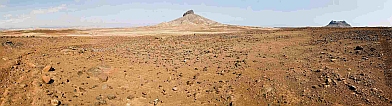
point(188, 12)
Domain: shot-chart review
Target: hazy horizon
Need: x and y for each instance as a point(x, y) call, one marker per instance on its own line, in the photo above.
point(123, 13)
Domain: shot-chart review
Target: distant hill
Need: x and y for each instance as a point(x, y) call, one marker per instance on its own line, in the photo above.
point(338, 24)
point(190, 19)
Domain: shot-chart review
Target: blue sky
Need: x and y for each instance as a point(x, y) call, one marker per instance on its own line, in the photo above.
point(129, 13)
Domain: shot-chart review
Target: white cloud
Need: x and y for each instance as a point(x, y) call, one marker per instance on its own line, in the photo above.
point(7, 16)
point(2, 6)
point(15, 19)
point(49, 10)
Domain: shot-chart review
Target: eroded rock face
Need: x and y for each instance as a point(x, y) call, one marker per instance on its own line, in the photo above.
point(188, 12)
point(338, 24)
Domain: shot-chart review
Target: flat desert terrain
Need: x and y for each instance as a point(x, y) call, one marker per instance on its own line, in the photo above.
point(225, 66)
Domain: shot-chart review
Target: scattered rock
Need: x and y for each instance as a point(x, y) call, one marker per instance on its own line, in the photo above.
point(48, 68)
point(8, 43)
point(156, 101)
point(352, 87)
point(98, 98)
point(103, 77)
point(55, 102)
point(175, 89)
point(17, 62)
point(358, 48)
point(31, 65)
point(101, 102)
point(82, 89)
point(47, 79)
point(328, 81)
point(100, 71)
point(23, 85)
point(80, 73)
point(130, 97)
point(111, 96)
point(104, 86)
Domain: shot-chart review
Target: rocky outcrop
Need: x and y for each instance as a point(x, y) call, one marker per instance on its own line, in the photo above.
point(188, 12)
point(338, 24)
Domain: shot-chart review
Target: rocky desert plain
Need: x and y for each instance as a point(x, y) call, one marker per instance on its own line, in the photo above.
point(194, 61)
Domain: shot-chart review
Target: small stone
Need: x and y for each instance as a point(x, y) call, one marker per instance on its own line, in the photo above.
point(130, 97)
point(358, 48)
point(104, 86)
point(327, 86)
point(349, 69)
point(55, 102)
point(352, 87)
point(328, 81)
point(101, 102)
point(98, 98)
point(156, 101)
point(46, 79)
point(175, 89)
point(23, 85)
point(48, 68)
point(319, 70)
point(31, 65)
point(333, 60)
point(111, 96)
point(17, 62)
point(103, 77)
point(80, 73)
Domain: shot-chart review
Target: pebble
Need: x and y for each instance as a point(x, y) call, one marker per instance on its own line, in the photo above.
point(328, 81)
point(23, 85)
point(98, 98)
point(352, 87)
point(55, 102)
point(31, 65)
point(103, 77)
point(48, 68)
point(18, 62)
point(175, 89)
point(46, 79)
point(130, 97)
point(156, 101)
point(104, 86)
point(358, 48)
point(111, 96)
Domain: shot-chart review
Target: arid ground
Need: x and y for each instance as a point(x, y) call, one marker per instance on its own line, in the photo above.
point(217, 67)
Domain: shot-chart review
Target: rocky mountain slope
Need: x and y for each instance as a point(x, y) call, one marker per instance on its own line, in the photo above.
point(190, 19)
